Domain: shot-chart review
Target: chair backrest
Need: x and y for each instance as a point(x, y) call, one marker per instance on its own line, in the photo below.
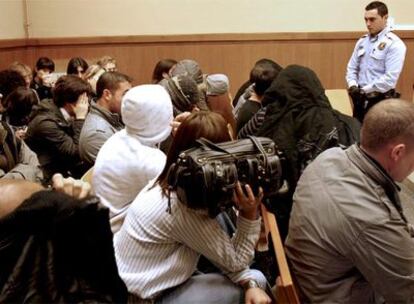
point(340, 101)
point(285, 288)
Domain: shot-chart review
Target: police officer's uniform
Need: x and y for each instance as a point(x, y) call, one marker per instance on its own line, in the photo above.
point(375, 66)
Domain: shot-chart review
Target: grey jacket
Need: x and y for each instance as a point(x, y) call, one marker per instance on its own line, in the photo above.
point(22, 162)
point(348, 240)
point(28, 167)
point(100, 124)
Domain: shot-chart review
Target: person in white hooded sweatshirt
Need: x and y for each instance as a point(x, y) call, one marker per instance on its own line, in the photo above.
point(130, 158)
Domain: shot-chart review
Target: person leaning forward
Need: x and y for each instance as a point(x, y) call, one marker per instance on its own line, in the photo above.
point(376, 63)
point(349, 240)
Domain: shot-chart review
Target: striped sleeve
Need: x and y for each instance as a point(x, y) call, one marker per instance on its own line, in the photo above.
point(253, 125)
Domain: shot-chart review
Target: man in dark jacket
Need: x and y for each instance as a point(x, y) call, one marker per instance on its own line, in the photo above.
point(53, 132)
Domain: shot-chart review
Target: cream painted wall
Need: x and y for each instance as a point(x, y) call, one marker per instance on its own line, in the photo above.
point(12, 19)
point(76, 18)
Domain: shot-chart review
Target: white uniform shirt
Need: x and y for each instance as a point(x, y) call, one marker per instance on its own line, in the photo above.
point(376, 62)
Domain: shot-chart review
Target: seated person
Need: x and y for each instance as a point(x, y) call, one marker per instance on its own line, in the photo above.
point(56, 246)
point(17, 161)
point(130, 158)
point(246, 89)
point(161, 240)
point(41, 81)
point(23, 70)
point(261, 76)
point(162, 70)
point(349, 241)
point(191, 69)
point(9, 81)
point(184, 96)
point(77, 66)
point(104, 117)
point(183, 92)
point(92, 75)
point(18, 108)
point(107, 63)
point(53, 133)
point(218, 98)
point(300, 119)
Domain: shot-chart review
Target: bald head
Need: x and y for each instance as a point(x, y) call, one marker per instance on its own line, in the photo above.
point(14, 192)
point(388, 122)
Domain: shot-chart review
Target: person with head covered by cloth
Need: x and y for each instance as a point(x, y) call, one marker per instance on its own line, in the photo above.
point(376, 63)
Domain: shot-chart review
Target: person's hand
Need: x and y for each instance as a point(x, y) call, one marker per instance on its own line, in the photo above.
point(355, 92)
point(21, 133)
point(178, 120)
point(247, 204)
point(81, 107)
point(73, 187)
point(49, 80)
point(42, 75)
point(257, 296)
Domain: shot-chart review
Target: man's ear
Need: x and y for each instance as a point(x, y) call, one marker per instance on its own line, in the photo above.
point(107, 94)
point(398, 151)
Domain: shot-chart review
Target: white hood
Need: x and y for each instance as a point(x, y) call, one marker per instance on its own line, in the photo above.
point(147, 113)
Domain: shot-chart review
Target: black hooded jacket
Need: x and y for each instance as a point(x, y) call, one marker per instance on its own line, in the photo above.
point(301, 121)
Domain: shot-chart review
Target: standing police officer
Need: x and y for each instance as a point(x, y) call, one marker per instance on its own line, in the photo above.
point(376, 62)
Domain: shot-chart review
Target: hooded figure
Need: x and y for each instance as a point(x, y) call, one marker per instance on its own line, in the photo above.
point(191, 68)
point(130, 158)
point(300, 120)
point(218, 98)
point(188, 67)
point(183, 92)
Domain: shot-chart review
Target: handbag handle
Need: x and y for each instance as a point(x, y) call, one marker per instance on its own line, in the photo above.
point(260, 148)
point(204, 142)
point(209, 144)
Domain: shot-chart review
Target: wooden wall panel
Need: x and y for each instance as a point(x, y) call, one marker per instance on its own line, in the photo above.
point(232, 54)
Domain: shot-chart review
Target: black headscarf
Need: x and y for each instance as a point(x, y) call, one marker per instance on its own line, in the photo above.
point(301, 121)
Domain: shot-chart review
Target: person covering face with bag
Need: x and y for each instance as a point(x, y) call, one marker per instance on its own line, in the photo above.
point(158, 248)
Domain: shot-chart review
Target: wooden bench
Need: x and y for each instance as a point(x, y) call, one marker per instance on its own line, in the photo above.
point(285, 289)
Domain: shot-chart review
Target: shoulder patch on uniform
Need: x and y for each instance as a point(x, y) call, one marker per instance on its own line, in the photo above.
point(391, 36)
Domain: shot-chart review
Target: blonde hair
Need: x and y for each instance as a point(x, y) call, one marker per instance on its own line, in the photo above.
point(104, 60)
point(21, 68)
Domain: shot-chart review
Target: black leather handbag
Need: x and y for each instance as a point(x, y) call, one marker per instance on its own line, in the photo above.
point(205, 176)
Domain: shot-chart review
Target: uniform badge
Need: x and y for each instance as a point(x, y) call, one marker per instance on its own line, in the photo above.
point(381, 46)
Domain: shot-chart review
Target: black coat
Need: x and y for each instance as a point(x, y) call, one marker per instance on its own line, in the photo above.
point(55, 141)
point(54, 249)
point(301, 121)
